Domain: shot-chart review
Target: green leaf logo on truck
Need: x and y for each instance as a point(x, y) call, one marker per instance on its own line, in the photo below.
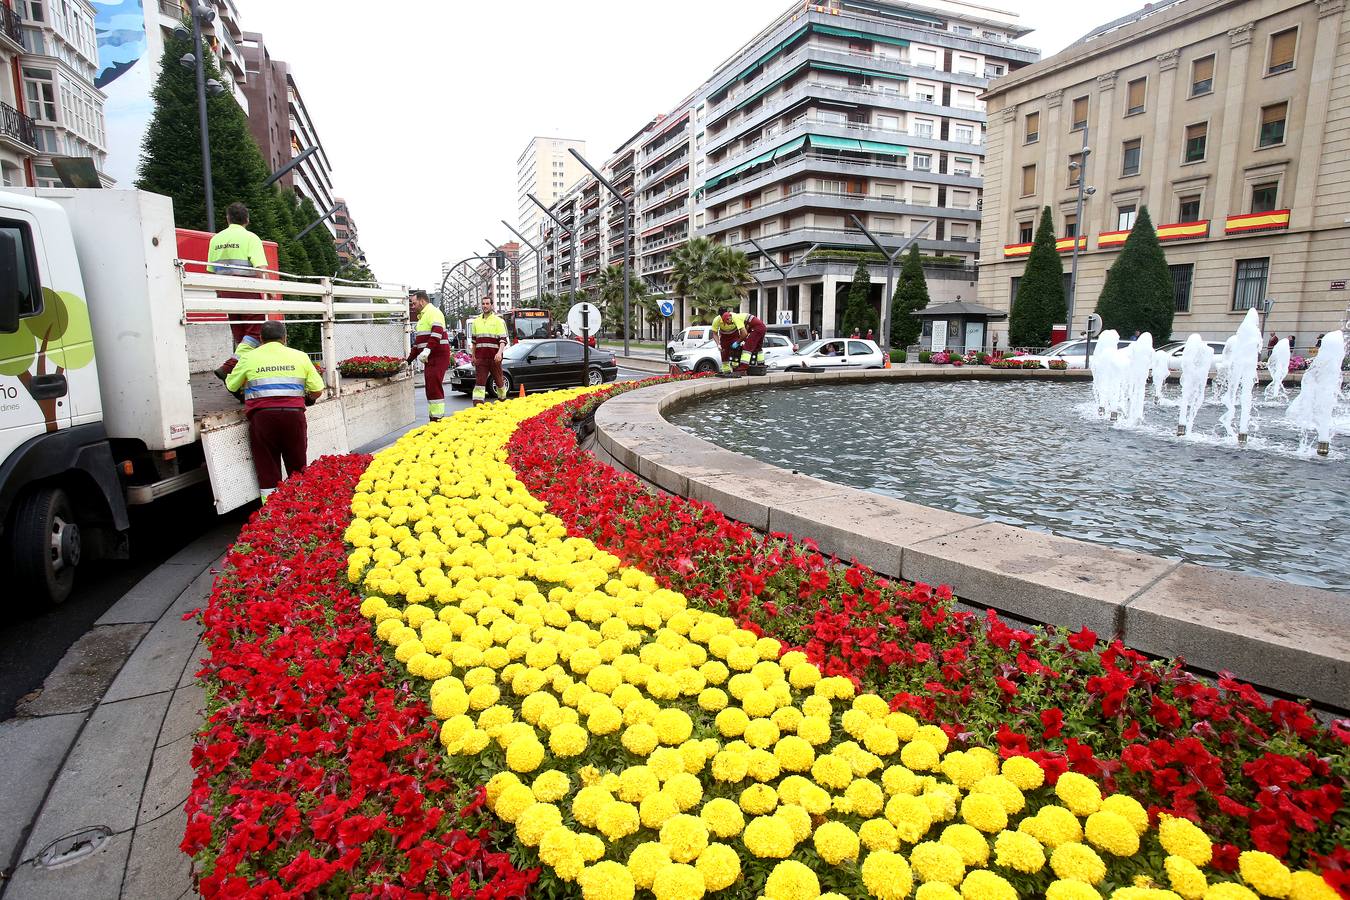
point(56, 339)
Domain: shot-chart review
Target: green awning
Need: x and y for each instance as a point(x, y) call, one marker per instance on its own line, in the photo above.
point(834, 143)
point(844, 32)
point(888, 149)
point(768, 87)
point(759, 62)
point(853, 70)
point(789, 147)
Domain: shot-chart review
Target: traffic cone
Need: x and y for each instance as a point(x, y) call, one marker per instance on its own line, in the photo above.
point(887, 363)
point(522, 391)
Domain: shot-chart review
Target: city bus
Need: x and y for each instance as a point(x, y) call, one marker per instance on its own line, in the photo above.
point(527, 323)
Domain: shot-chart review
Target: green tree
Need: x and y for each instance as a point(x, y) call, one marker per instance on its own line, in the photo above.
point(911, 295)
point(1137, 295)
point(858, 312)
point(319, 246)
point(691, 274)
point(1040, 302)
point(609, 297)
point(731, 269)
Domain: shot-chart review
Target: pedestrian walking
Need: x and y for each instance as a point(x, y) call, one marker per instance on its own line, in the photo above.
point(237, 251)
point(488, 332)
point(278, 383)
point(430, 337)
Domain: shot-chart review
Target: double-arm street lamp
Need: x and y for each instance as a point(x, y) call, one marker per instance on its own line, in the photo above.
point(782, 291)
point(194, 60)
point(572, 239)
point(538, 260)
point(627, 239)
point(885, 336)
point(1083, 193)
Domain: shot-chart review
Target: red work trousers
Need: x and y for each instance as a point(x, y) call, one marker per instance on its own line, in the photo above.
point(275, 436)
point(435, 375)
point(486, 365)
point(240, 329)
point(754, 337)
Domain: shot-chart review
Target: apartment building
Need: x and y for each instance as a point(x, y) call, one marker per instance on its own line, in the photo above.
point(18, 137)
point(502, 285)
point(1228, 119)
point(57, 67)
point(347, 237)
point(544, 169)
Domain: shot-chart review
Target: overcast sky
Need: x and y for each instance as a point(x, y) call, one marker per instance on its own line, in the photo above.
point(424, 105)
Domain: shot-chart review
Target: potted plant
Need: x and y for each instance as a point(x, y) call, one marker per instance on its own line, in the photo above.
point(370, 366)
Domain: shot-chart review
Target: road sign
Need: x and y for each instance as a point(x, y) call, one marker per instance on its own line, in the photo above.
point(588, 312)
point(667, 308)
point(785, 317)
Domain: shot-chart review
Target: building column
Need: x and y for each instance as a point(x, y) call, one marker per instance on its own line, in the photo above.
point(1164, 147)
point(1240, 39)
point(1300, 199)
point(827, 305)
point(1099, 140)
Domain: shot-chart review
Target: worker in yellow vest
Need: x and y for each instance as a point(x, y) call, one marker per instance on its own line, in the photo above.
point(431, 336)
point(489, 344)
point(238, 251)
point(278, 384)
point(743, 332)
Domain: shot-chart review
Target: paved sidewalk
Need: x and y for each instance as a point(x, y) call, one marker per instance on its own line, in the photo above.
point(95, 769)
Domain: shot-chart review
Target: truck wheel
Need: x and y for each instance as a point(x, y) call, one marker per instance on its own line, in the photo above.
point(46, 546)
point(705, 365)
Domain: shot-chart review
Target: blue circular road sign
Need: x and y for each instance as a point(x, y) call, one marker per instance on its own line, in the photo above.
point(667, 308)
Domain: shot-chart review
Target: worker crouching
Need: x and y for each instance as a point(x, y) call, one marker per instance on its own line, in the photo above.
point(431, 338)
point(278, 383)
point(740, 338)
point(489, 344)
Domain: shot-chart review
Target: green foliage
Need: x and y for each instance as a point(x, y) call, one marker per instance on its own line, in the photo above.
point(911, 295)
point(1040, 301)
point(1137, 295)
point(858, 312)
point(872, 256)
point(609, 297)
point(710, 275)
point(319, 246)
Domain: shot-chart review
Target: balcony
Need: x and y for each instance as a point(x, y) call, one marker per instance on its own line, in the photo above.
point(849, 238)
point(10, 28)
point(665, 170)
point(860, 203)
point(665, 241)
point(16, 129)
point(680, 188)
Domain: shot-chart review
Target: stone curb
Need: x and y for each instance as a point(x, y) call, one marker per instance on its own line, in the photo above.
point(1275, 634)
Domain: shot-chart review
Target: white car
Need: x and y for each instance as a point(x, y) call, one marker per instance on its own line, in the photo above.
point(832, 353)
point(707, 356)
point(688, 339)
point(1174, 348)
point(1073, 352)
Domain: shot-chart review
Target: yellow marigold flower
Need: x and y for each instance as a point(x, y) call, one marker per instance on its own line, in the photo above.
point(1071, 890)
point(787, 718)
point(1186, 879)
point(535, 821)
point(712, 699)
point(886, 875)
point(1077, 862)
point(685, 789)
point(720, 867)
point(731, 721)
point(1009, 794)
point(836, 843)
point(1079, 793)
point(657, 809)
point(761, 733)
point(985, 812)
point(1128, 808)
point(605, 718)
point(899, 780)
point(759, 703)
point(791, 880)
point(723, 817)
point(769, 837)
point(645, 861)
point(567, 740)
point(1228, 891)
point(803, 676)
point(524, 754)
point(606, 880)
point(982, 884)
point(685, 837)
point(1183, 838)
point(794, 753)
point(1310, 886)
point(911, 817)
point(666, 762)
point(815, 799)
point(483, 696)
point(730, 766)
point(814, 730)
point(832, 772)
point(640, 739)
point(550, 786)
point(865, 797)
point(936, 890)
point(1052, 826)
point(637, 783)
point(1265, 873)
point(817, 707)
point(880, 740)
point(934, 861)
point(695, 755)
point(758, 799)
point(1019, 852)
point(967, 840)
point(588, 802)
point(920, 755)
point(941, 801)
point(797, 819)
point(878, 834)
point(617, 820)
point(856, 722)
point(1113, 833)
point(762, 765)
point(677, 881)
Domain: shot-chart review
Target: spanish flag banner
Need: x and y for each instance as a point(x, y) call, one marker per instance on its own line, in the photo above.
point(1266, 221)
point(1182, 230)
point(1011, 250)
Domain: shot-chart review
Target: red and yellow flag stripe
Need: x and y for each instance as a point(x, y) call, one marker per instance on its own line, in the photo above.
point(1266, 221)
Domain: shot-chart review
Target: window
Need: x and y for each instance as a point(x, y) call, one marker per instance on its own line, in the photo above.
point(963, 165)
point(1125, 216)
point(960, 200)
point(925, 57)
point(1264, 196)
point(1033, 128)
point(1282, 46)
point(39, 92)
point(960, 231)
point(858, 347)
point(923, 162)
point(1181, 286)
point(1075, 168)
point(1071, 226)
point(1195, 142)
point(967, 100)
point(1189, 208)
point(967, 65)
point(831, 187)
point(923, 128)
point(883, 224)
point(920, 195)
point(1080, 114)
point(30, 295)
point(888, 123)
point(963, 134)
point(886, 189)
point(1249, 288)
point(1135, 92)
point(925, 93)
point(1024, 236)
point(1272, 124)
point(1028, 180)
point(1130, 153)
point(35, 11)
point(994, 70)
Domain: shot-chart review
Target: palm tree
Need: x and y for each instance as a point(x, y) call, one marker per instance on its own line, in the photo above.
point(692, 267)
point(731, 268)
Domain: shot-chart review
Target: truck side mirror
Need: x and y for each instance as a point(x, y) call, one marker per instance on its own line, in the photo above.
point(9, 284)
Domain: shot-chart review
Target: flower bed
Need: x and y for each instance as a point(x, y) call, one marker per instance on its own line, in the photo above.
point(316, 771)
point(370, 366)
point(636, 735)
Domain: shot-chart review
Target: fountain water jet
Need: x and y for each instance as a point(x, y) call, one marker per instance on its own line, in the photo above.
point(1196, 359)
point(1315, 406)
point(1278, 366)
point(1138, 362)
point(1242, 351)
point(1107, 364)
point(1160, 373)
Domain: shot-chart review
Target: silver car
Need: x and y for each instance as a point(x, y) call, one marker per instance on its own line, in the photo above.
point(832, 353)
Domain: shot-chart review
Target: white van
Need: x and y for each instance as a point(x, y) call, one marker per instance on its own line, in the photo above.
point(688, 338)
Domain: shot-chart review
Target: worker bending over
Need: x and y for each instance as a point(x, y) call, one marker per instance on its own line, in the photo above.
point(238, 251)
point(431, 337)
point(489, 344)
point(278, 384)
point(739, 331)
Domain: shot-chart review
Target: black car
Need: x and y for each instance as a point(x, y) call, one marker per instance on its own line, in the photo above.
point(544, 364)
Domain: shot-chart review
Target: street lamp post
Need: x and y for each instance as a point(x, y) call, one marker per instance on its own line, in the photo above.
point(538, 259)
point(194, 60)
point(1083, 192)
point(885, 336)
point(572, 242)
point(627, 240)
point(782, 298)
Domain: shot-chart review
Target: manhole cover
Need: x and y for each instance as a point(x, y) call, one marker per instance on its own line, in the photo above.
point(73, 847)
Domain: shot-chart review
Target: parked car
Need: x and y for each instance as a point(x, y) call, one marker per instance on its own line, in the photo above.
point(832, 353)
point(688, 338)
point(799, 335)
point(707, 356)
point(542, 365)
point(1173, 350)
point(1073, 352)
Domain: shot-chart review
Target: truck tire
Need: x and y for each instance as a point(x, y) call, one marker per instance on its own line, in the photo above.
point(46, 545)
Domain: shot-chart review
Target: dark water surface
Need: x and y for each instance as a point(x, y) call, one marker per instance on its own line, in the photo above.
point(1035, 455)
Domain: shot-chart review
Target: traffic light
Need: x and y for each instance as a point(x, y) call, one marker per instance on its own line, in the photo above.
point(500, 256)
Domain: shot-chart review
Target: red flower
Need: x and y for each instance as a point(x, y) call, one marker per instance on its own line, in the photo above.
point(1083, 640)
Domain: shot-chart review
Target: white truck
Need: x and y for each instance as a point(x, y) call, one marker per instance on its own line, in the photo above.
point(106, 394)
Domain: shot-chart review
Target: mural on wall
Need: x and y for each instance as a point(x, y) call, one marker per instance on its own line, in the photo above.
point(128, 56)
